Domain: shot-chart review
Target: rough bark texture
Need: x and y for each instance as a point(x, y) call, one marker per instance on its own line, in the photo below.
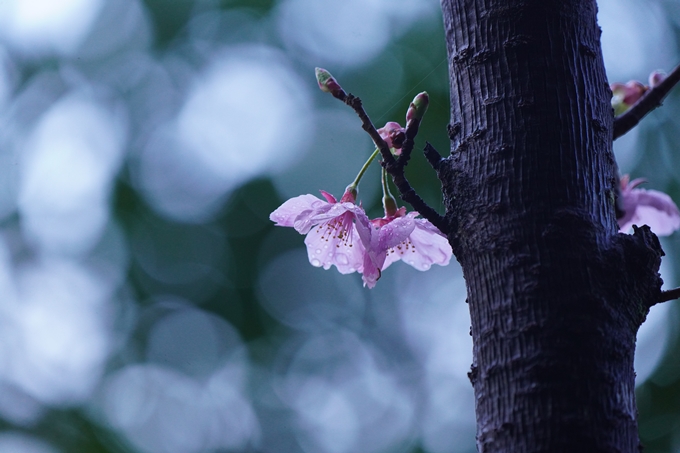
point(556, 295)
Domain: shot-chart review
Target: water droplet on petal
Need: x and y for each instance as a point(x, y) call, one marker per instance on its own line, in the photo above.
point(315, 262)
point(318, 251)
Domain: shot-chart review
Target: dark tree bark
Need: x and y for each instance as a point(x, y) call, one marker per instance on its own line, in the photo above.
point(556, 294)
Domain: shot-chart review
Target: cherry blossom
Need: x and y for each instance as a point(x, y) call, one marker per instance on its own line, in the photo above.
point(403, 237)
point(425, 246)
point(647, 207)
point(332, 229)
point(378, 240)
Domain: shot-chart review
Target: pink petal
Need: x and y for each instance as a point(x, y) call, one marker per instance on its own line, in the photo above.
point(428, 247)
point(320, 214)
point(661, 223)
point(330, 244)
point(363, 227)
point(399, 231)
point(391, 257)
point(657, 200)
point(395, 232)
point(371, 273)
point(393, 134)
point(424, 247)
point(329, 197)
point(382, 239)
point(335, 210)
point(286, 214)
point(649, 207)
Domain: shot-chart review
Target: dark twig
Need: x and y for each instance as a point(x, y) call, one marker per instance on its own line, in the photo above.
point(368, 126)
point(670, 294)
point(409, 142)
point(395, 167)
point(432, 155)
point(409, 195)
point(651, 100)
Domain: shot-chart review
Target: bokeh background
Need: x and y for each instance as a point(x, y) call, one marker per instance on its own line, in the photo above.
point(147, 303)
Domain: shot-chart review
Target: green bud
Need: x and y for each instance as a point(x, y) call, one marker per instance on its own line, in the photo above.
point(327, 82)
point(418, 107)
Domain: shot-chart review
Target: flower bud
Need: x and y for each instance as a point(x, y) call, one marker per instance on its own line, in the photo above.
point(418, 107)
point(327, 83)
point(626, 95)
point(393, 134)
point(634, 90)
point(656, 77)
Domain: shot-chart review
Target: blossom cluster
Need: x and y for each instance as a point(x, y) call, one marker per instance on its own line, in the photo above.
point(340, 234)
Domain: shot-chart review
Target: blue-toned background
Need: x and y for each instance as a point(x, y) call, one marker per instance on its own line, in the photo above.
point(147, 303)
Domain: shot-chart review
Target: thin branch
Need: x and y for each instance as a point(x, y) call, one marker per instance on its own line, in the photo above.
point(670, 294)
point(651, 100)
point(395, 167)
point(412, 128)
point(409, 195)
point(368, 126)
point(433, 157)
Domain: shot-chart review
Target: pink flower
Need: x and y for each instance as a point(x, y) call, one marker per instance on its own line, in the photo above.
point(340, 234)
point(647, 207)
point(402, 237)
point(331, 228)
point(393, 134)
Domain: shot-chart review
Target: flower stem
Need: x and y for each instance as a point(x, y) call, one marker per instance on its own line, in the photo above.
point(385, 185)
point(389, 202)
point(355, 183)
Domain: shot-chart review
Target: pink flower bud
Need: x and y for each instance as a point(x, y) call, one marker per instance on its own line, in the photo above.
point(656, 77)
point(634, 90)
point(418, 107)
point(625, 96)
point(393, 134)
point(327, 82)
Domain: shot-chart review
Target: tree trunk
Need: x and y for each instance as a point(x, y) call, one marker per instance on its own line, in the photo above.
point(556, 294)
